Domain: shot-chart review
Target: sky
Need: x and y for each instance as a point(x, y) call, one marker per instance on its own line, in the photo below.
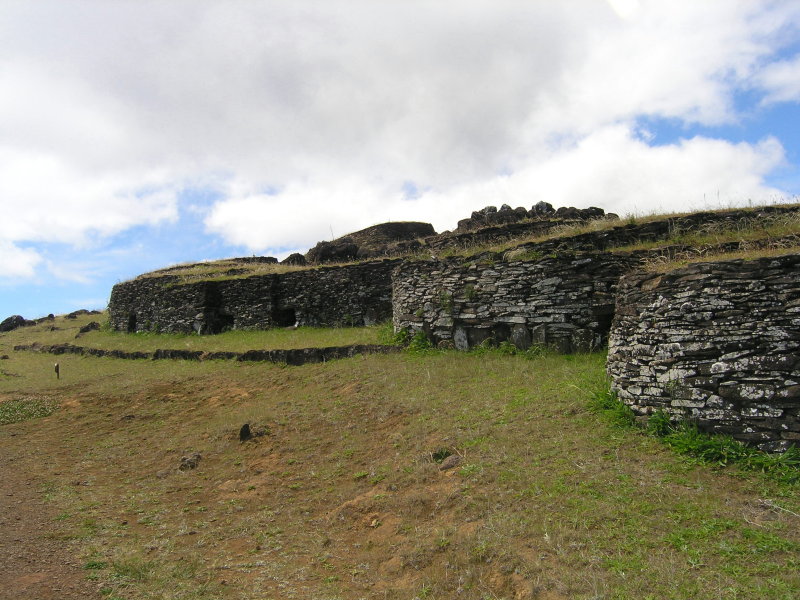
point(136, 134)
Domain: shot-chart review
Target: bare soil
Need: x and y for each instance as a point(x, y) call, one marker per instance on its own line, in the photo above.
point(36, 563)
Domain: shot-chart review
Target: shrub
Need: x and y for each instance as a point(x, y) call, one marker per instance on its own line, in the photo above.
point(419, 343)
point(659, 424)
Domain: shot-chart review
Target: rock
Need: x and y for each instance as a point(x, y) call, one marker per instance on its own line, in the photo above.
point(245, 433)
point(520, 337)
point(342, 250)
point(385, 239)
point(14, 322)
point(460, 339)
point(568, 213)
point(542, 208)
point(4, 357)
point(465, 224)
point(450, 462)
point(593, 212)
point(190, 462)
point(93, 326)
point(295, 259)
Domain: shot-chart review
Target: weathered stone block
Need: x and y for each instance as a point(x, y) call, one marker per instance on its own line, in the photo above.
point(521, 337)
point(460, 339)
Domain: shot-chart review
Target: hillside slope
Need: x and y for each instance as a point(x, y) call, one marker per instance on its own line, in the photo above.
point(343, 492)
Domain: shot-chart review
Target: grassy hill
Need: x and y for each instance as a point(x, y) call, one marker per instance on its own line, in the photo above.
point(341, 493)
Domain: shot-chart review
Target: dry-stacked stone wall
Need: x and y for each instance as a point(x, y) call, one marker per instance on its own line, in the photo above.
point(634, 233)
point(565, 301)
point(718, 343)
point(330, 296)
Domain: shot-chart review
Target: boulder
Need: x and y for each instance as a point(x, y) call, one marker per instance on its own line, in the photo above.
point(295, 259)
point(190, 461)
point(593, 212)
point(93, 326)
point(341, 250)
point(520, 337)
point(542, 208)
point(13, 322)
point(568, 213)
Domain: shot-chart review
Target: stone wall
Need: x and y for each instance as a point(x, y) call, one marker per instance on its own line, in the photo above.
point(651, 231)
point(565, 301)
point(328, 296)
point(293, 356)
point(715, 342)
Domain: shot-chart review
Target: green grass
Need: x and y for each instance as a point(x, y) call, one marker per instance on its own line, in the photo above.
point(25, 408)
point(236, 341)
point(66, 331)
point(343, 496)
point(714, 450)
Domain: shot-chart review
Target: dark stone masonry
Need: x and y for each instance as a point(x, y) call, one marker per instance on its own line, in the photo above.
point(715, 342)
point(328, 296)
point(293, 356)
point(565, 301)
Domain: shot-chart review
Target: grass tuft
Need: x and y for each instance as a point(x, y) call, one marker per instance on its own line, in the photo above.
point(686, 439)
point(613, 410)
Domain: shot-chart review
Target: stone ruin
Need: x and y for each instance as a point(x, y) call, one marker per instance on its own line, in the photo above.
point(716, 342)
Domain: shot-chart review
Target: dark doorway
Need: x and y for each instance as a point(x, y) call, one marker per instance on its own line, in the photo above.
point(219, 322)
point(283, 317)
point(132, 323)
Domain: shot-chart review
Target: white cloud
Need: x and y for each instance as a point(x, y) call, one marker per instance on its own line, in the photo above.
point(781, 81)
point(302, 214)
point(108, 109)
point(614, 169)
point(50, 200)
point(16, 262)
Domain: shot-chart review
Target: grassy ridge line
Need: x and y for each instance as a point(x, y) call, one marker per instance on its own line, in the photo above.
point(233, 269)
point(62, 331)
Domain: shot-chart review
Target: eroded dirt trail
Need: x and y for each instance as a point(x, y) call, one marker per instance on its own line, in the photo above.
point(35, 564)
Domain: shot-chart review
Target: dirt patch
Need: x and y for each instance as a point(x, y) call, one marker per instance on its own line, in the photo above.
point(36, 563)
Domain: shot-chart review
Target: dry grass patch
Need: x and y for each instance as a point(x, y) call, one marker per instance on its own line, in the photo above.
point(220, 270)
